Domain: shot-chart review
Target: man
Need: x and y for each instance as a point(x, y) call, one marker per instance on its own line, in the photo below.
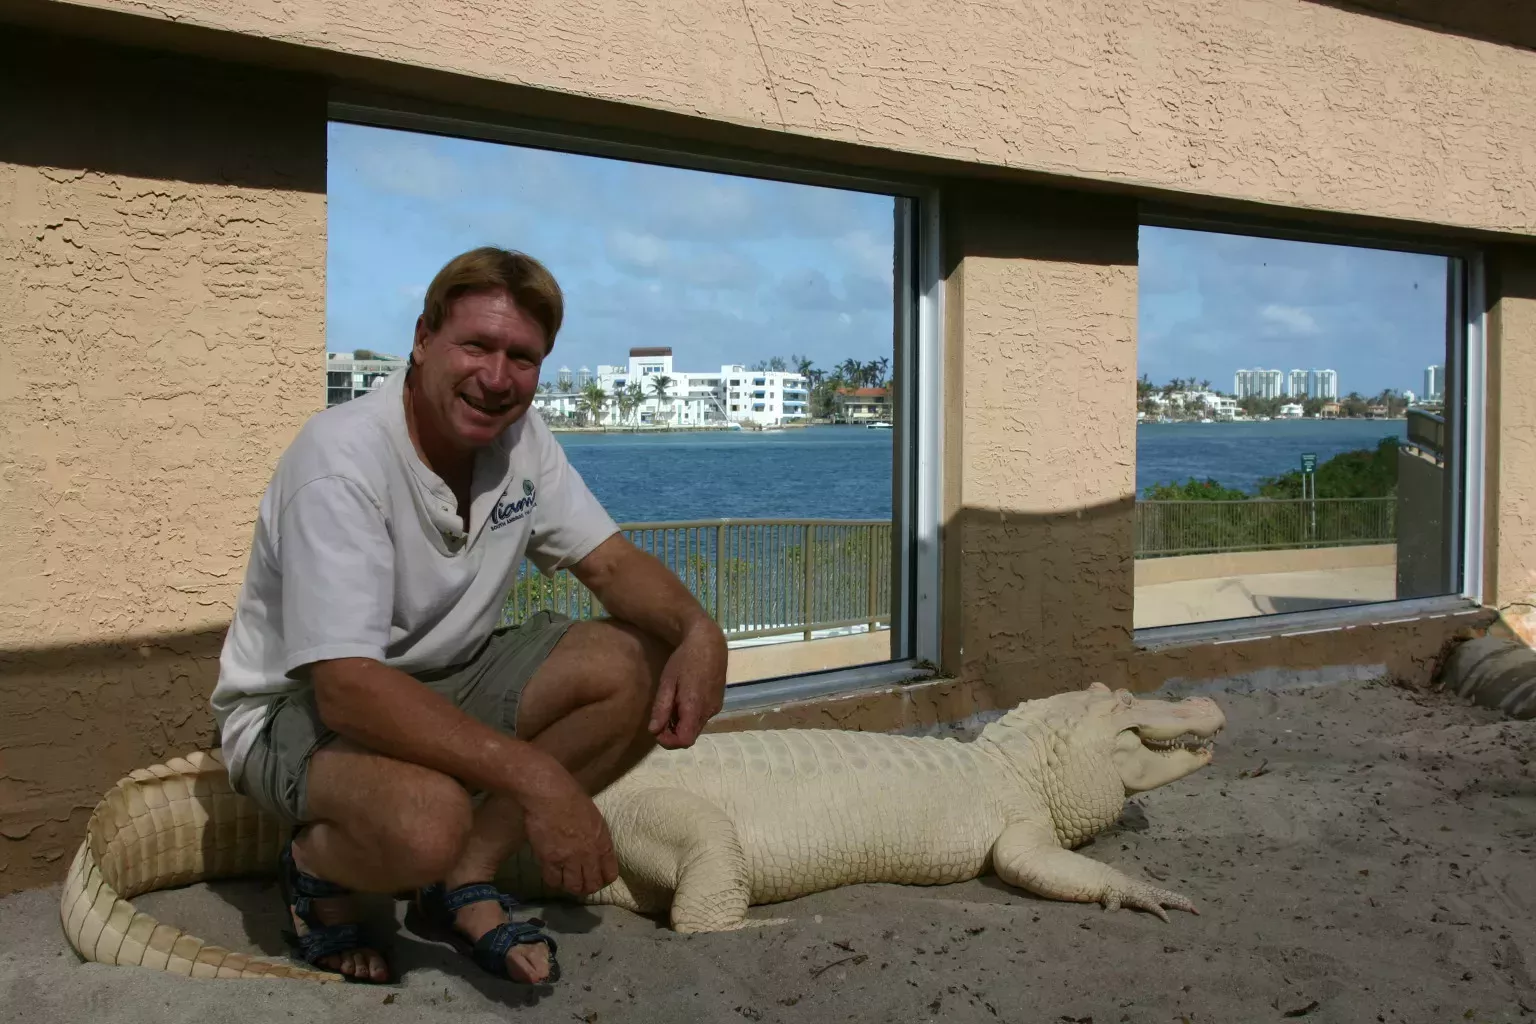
point(365, 694)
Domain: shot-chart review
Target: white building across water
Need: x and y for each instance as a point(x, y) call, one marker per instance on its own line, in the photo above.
point(649, 391)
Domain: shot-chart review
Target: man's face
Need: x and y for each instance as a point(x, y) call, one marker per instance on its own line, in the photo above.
point(479, 371)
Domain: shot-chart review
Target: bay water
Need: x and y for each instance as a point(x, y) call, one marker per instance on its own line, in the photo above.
point(844, 472)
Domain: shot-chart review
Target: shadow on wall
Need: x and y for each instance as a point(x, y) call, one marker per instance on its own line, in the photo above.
point(1044, 603)
point(1506, 22)
point(235, 127)
point(74, 719)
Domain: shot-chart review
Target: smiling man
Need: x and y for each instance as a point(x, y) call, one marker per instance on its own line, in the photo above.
point(366, 694)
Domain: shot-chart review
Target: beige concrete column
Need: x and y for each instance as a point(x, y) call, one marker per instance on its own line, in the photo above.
point(1510, 551)
point(162, 302)
point(1041, 458)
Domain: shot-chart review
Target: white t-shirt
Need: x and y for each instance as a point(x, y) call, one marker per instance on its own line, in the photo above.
point(359, 552)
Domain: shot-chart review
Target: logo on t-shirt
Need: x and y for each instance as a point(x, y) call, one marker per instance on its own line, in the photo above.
point(509, 511)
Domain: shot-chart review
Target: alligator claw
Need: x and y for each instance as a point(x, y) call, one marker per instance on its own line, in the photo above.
point(1141, 896)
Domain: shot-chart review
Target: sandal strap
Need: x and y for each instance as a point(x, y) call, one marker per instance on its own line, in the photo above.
point(490, 950)
point(475, 892)
point(329, 939)
point(308, 885)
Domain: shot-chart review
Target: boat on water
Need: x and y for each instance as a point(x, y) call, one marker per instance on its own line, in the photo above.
point(877, 426)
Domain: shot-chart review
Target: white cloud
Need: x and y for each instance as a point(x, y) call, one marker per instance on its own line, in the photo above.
point(1293, 319)
point(870, 254)
point(641, 254)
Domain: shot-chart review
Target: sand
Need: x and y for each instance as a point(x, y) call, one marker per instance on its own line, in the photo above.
point(1358, 853)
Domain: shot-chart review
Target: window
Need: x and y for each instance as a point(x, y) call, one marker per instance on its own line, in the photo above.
point(825, 577)
point(1306, 424)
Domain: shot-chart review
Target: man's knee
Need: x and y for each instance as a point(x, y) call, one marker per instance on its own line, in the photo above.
point(429, 836)
point(417, 819)
point(626, 662)
point(638, 661)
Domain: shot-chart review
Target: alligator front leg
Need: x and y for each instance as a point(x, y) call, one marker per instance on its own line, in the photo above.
point(1028, 856)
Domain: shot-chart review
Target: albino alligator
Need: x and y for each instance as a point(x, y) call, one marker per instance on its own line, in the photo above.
point(741, 818)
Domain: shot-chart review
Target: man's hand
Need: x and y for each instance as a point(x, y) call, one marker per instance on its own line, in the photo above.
point(692, 688)
point(569, 837)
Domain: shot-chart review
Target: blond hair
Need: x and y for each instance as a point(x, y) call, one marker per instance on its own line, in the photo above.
point(525, 279)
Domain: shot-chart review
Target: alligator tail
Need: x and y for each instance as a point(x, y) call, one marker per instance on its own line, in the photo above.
point(169, 825)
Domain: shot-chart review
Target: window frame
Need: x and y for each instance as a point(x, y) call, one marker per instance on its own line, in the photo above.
point(1466, 413)
point(917, 350)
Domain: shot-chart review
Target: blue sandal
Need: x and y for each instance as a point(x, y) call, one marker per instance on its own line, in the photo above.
point(320, 940)
point(437, 907)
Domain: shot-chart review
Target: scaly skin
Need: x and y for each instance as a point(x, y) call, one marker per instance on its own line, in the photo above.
point(739, 819)
point(752, 818)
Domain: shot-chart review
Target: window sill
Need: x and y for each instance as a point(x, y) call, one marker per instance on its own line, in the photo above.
point(843, 682)
point(1230, 631)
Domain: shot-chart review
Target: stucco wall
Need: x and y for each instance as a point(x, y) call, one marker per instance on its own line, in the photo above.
point(1283, 101)
point(1512, 462)
point(1041, 373)
point(162, 263)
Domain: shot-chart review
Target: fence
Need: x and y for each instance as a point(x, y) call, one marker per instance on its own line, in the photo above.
point(774, 577)
point(759, 577)
point(1166, 528)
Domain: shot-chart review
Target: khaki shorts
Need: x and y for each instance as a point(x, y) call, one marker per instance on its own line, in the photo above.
point(488, 688)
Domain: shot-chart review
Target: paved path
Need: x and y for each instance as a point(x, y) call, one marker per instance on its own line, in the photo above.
point(1244, 596)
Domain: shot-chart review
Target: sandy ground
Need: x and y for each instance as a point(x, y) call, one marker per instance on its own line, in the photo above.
point(1358, 853)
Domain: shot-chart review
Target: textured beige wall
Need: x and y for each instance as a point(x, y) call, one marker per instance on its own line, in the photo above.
point(1512, 462)
point(1042, 380)
point(162, 267)
point(1284, 101)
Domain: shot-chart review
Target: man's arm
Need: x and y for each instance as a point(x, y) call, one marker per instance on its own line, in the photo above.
point(635, 587)
point(387, 710)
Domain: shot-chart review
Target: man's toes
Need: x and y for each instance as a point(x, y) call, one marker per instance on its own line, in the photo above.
point(530, 962)
point(377, 969)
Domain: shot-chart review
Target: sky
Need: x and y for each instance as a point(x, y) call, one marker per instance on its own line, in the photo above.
point(724, 269)
point(1212, 304)
point(728, 269)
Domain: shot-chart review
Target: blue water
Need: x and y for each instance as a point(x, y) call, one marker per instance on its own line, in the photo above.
point(809, 472)
point(845, 472)
point(1241, 454)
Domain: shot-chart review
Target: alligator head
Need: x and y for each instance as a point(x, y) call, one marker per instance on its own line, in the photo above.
point(1155, 741)
point(1091, 748)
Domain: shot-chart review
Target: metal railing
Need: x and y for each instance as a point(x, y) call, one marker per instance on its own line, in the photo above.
point(775, 577)
point(1166, 528)
point(758, 577)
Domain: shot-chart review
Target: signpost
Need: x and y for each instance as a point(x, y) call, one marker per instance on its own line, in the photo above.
point(1309, 486)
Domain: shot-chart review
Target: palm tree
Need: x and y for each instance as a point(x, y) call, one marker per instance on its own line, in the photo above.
point(634, 395)
point(593, 399)
point(660, 385)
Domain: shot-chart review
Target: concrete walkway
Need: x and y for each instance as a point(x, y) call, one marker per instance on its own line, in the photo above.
point(1246, 595)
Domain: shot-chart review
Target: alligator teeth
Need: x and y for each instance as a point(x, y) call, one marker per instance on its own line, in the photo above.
point(1187, 741)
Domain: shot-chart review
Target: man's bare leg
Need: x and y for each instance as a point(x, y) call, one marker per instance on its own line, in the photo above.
point(382, 826)
point(587, 706)
point(386, 826)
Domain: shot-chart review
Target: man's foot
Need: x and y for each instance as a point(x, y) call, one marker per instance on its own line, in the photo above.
point(325, 925)
point(528, 963)
point(477, 919)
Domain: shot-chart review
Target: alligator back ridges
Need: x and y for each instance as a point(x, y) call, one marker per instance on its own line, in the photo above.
point(169, 825)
